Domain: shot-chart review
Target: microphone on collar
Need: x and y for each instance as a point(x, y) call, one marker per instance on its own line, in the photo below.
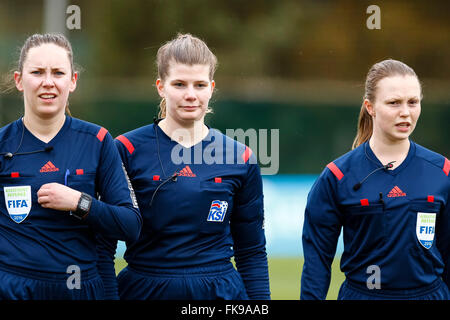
point(9, 155)
point(173, 178)
point(385, 167)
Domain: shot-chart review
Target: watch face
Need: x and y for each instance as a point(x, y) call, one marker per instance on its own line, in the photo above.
point(84, 204)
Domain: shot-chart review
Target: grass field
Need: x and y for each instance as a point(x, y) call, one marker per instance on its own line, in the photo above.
point(284, 274)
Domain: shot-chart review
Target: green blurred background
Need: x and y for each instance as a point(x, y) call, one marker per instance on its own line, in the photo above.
point(297, 66)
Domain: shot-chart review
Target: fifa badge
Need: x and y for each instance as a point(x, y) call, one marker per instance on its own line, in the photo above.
point(425, 228)
point(18, 202)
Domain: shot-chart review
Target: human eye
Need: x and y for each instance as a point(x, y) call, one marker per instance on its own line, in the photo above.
point(393, 102)
point(36, 72)
point(414, 101)
point(58, 72)
point(202, 85)
point(178, 84)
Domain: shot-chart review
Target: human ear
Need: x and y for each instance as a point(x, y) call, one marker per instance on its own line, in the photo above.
point(73, 84)
point(160, 87)
point(18, 80)
point(369, 107)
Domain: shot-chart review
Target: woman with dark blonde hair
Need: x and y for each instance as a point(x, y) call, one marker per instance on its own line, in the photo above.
point(390, 196)
point(52, 169)
point(200, 193)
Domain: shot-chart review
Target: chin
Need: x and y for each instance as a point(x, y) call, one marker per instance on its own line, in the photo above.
point(191, 117)
point(399, 137)
point(47, 112)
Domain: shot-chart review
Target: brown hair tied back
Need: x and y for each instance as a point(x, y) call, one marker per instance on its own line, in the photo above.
point(379, 71)
point(37, 40)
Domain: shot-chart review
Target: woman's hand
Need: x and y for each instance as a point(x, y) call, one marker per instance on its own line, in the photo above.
point(59, 197)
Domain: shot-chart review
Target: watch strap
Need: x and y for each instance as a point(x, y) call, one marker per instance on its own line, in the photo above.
point(83, 206)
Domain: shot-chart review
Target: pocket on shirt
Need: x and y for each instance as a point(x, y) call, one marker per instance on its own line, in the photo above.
point(365, 228)
point(22, 180)
point(216, 207)
point(152, 199)
point(220, 186)
point(82, 182)
point(423, 218)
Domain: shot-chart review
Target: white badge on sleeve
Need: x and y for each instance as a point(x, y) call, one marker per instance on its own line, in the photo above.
point(425, 228)
point(18, 202)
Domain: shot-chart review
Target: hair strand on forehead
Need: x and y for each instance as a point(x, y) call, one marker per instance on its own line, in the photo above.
point(37, 40)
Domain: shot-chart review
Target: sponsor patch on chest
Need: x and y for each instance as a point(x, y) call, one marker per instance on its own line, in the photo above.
point(425, 228)
point(217, 211)
point(18, 202)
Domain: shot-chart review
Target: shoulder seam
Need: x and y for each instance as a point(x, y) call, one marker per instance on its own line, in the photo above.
point(101, 134)
point(335, 170)
point(445, 167)
point(126, 142)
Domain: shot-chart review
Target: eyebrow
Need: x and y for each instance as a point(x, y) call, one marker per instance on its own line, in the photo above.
point(54, 68)
point(401, 98)
point(180, 80)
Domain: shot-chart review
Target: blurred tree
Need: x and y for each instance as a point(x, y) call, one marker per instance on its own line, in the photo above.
point(294, 65)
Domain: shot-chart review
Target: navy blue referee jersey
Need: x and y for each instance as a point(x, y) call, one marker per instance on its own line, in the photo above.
point(395, 222)
point(200, 205)
point(81, 156)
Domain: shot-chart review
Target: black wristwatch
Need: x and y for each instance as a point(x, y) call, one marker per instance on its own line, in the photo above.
point(83, 207)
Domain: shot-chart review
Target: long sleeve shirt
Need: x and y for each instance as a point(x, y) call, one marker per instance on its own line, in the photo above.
point(397, 220)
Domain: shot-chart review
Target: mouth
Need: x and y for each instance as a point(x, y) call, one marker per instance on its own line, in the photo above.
point(403, 126)
point(47, 96)
point(190, 107)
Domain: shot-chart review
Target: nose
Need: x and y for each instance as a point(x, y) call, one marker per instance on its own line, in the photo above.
point(48, 80)
point(404, 110)
point(189, 94)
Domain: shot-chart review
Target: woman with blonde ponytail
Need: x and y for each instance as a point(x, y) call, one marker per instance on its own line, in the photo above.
point(199, 208)
point(391, 198)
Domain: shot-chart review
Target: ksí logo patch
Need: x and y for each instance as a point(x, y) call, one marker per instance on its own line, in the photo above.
point(425, 228)
point(18, 202)
point(217, 211)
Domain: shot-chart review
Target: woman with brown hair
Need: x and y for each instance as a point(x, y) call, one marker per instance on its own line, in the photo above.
point(52, 169)
point(200, 193)
point(390, 196)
